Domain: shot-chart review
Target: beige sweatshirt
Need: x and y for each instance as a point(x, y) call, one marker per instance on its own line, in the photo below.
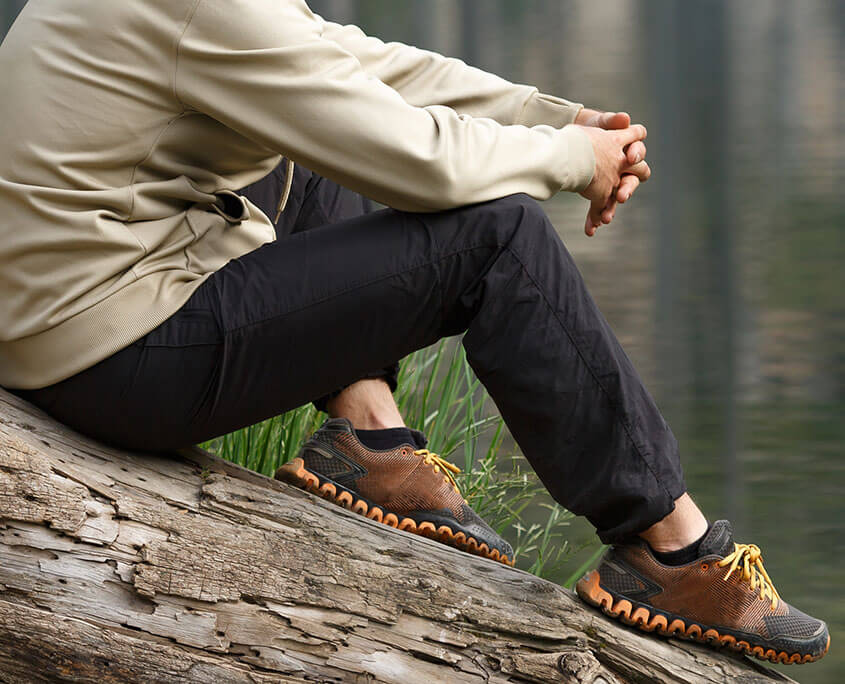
point(128, 126)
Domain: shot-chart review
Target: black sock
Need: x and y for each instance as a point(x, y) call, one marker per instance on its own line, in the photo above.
point(389, 438)
point(682, 556)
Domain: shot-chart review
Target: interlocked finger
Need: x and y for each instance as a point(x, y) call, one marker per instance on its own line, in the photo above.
point(609, 211)
point(641, 170)
point(593, 218)
point(627, 186)
point(596, 210)
point(636, 152)
point(631, 134)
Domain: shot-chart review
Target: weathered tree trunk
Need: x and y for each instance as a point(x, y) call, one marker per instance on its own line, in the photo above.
point(118, 566)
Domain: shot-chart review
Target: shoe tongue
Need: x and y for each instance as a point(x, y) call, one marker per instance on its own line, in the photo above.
point(718, 541)
point(342, 424)
point(419, 438)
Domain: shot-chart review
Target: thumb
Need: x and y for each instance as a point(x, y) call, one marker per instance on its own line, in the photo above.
point(615, 120)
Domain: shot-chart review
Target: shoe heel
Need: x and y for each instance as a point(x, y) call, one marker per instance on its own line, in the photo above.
point(294, 473)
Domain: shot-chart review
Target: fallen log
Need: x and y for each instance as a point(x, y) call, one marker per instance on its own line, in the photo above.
point(119, 566)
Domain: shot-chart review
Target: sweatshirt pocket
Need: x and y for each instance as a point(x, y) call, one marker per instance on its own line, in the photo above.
point(230, 206)
point(222, 230)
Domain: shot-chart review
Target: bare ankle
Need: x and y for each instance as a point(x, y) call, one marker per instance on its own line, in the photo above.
point(362, 420)
point(368, 405)
point(680, 528)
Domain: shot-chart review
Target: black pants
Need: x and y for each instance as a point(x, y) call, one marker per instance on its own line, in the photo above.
point(332, 300)
point(314, 201)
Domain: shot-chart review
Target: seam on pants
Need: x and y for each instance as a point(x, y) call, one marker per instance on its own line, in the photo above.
point(352, 288)
point(620, 416)
point(319, 207)
point(430, 233)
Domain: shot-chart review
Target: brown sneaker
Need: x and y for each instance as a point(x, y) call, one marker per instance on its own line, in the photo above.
point(405, 487)
point(724, 598)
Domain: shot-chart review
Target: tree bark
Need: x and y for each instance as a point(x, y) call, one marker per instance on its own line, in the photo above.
point(119, 566)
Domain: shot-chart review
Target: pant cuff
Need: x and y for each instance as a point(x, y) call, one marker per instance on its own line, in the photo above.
point(389, 374)
point(642, 516)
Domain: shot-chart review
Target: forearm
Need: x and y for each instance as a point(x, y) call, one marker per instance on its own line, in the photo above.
point(301, 95)
point(427, 78)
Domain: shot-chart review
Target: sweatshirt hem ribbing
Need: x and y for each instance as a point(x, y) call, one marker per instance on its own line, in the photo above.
point(84, 340)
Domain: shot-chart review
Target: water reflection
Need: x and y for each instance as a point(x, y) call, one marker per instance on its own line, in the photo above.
point(724, 276)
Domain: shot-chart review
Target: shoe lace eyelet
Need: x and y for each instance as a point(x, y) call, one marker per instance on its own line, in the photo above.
point(440, 466)
point(705, 567)
point(747, 559)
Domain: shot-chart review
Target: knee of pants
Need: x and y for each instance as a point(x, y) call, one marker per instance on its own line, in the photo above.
point(514, 226)
point(519, 219)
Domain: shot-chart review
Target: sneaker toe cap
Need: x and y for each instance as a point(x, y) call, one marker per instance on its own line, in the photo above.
point(798, 631)
point(473, 524)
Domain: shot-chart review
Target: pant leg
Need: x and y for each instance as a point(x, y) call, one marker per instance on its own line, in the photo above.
point(314, 201)
point(316, 309)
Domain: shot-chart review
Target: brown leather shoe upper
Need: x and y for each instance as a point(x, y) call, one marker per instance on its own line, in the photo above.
point(406, 486)
point(400, 479)
point(700, 591)
point(724, 597)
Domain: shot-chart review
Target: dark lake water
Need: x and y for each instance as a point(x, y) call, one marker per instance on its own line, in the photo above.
point(723, 277)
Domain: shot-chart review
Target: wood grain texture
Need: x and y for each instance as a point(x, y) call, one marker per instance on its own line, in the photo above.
point(119, 566)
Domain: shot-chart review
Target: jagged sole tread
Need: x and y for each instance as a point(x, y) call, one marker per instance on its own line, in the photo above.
point(623, 610)
point(297, 474)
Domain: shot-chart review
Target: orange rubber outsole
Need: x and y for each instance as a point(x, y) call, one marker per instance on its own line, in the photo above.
point(295, 473)
point(591, 591)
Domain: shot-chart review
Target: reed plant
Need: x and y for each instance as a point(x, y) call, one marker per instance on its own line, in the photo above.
point(439, 394)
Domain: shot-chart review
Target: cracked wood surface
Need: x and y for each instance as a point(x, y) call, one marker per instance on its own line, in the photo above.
point(119, 566)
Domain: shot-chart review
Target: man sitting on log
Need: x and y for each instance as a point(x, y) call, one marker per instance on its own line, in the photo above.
point(187, 248)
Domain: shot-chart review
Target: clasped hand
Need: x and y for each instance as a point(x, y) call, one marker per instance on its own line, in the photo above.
point(620, 163)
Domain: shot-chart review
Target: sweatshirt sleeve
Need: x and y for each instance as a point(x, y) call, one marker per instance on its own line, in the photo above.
point(425, 78)
point(264, 69)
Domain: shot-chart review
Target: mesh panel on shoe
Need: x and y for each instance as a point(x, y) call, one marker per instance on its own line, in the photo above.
point(426, 489)
point(617, 581)
point(475, 523)
point(479, 529)
point(794, 624)
point(323, 465)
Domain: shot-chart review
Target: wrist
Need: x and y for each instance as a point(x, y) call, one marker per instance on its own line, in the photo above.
point(546, 109)
point(587, 117)
point(580, 164)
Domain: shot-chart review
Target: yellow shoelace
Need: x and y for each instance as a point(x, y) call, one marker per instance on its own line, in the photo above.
point(438, 463)
point(753, 571)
